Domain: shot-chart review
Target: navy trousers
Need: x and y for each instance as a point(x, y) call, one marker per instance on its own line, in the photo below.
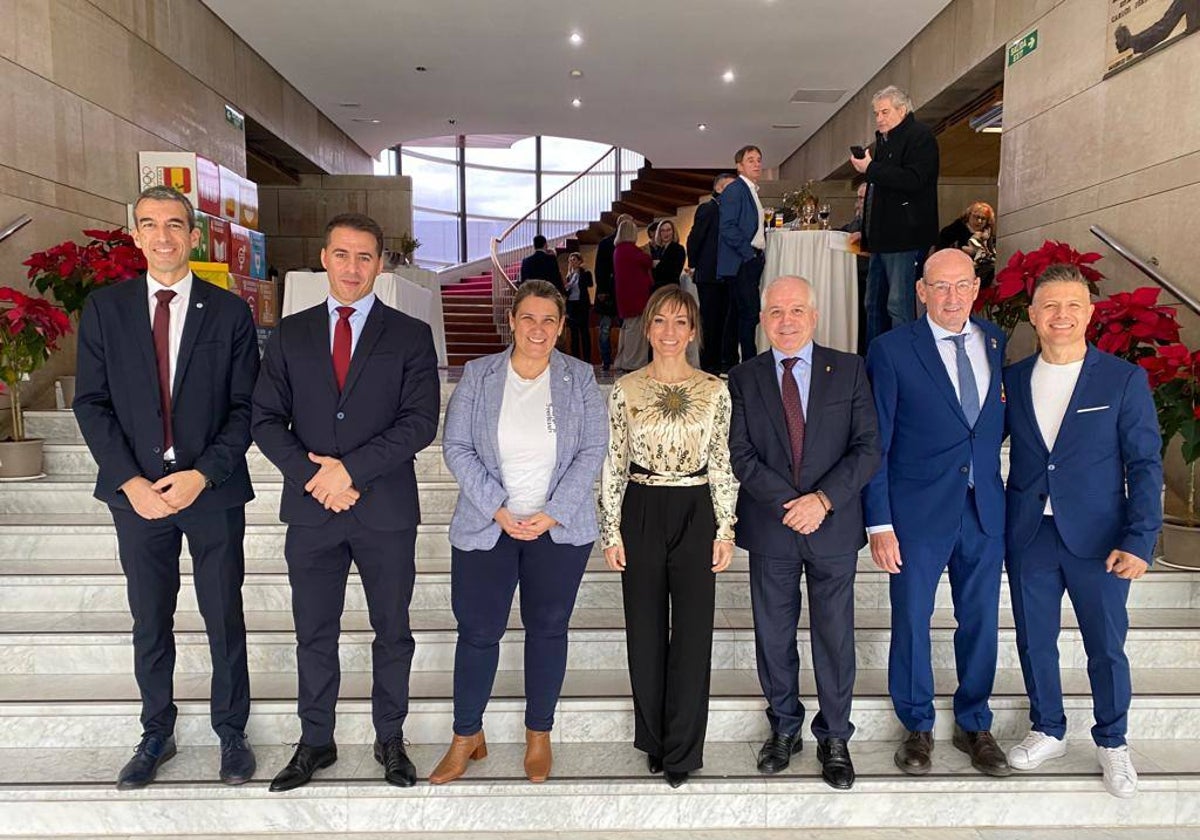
point(974, 560)
point(745, 302)
point(481, 591)
point(1037, 576)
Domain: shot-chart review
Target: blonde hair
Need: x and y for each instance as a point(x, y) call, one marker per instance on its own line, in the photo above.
point(626, 232)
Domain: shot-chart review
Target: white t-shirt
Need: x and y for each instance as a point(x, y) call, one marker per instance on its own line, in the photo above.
point(1052, 386)
point(528, 441)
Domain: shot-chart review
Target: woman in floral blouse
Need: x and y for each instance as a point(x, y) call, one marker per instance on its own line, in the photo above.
point(667, 514)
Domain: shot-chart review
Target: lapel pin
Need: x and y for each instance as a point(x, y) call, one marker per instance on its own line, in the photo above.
point(995, 345)
point(199, 305)
point(1003, 396)
point(828, 368)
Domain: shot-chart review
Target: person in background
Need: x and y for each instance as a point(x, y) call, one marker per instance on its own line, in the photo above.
point(579, 306)
point(606, 297)
point(633, 281)
point(974, 233)
point(542, 265)
point(718, 344)
point(667, 254)
point(862, 262)
point(743, 239)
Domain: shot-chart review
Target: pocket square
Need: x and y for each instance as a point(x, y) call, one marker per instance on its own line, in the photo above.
point(1093, 408)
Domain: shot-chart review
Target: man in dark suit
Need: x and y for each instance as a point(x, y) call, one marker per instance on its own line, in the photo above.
point(166, 368)
point(348, 396)
point(1084, 511)
point(803, 442)
point(937, 502)
point(606, 294)
point(740, 248)
point(542, 265)
point(718, 344)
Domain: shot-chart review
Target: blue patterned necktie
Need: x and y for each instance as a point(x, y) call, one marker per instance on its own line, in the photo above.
point(968, 390)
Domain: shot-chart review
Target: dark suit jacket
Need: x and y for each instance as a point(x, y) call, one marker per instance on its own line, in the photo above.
point(1104, 475)
point(387, 413)
point(702, 241)
point(901, 213)
point(841, 452)
point(117, 400)
point(927, 446)
point(670, 265)
point(739, 222)
point(606, 294)
point(542, 266)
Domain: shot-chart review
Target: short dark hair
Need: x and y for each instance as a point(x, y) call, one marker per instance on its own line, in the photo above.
point(671, 296)
point(724, 176)
point(540, 289)
point(356, 221)
point(1060, 273)
point(742, 152)
point(161, 192)
point(539, 242)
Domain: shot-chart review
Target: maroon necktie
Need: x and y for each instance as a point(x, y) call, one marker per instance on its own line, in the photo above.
point(793, 412)
point(162, 354)
point(341, 345)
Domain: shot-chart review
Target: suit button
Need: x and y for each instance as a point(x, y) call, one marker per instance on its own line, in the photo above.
point(964, 470)
point(157, 450)
point(341, 415)
point(1051, 468)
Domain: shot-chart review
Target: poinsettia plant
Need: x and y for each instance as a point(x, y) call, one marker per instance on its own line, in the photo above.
point(1006, 302)
point(30, 329)
point(72, 271)
point(1133, 325)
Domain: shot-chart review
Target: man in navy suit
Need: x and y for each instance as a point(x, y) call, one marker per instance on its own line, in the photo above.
point(937, 502)
point(166, 367)
point(803, 442)
point(1084, 511)
point(347, 397)
point(740, 248)
point(718, 345)
point(542, 265)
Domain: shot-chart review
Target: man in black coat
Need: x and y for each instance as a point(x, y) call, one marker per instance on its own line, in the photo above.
point(606, 293)
point(166, 368)
point(542, 265)
point(900, 221)
point(348, 396)
point(718, 342)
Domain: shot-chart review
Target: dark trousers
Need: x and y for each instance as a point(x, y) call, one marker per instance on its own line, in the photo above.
point(150, 559)
point(975, 561)
point(481, 591)
point(318, 561)
point(775, 599)
point(745, 302)
point(604, 339)
point(669, 591)
point(718, 340)
point(892, 290)
point(1037, 577)
point(578, 313)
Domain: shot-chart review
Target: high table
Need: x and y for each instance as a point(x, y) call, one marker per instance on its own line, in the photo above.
point(823, 258)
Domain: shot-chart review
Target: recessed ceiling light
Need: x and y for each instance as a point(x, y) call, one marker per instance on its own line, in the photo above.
point(576, 38)
point(576, 74)
point(349, 105)
point(702, 126)
point(421, 68)
point(727, 76)
point(576, 102)
point(368, 120)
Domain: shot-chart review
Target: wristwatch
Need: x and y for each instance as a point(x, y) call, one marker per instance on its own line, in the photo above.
point(208, 482)
point(825, 501)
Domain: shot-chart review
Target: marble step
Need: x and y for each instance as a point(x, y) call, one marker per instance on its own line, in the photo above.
point(595, 787)
point(1105, 833)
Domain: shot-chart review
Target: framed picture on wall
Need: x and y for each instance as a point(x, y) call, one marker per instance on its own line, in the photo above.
point(1139, 28)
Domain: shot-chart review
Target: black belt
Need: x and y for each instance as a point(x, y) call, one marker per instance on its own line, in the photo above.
point(638, 469)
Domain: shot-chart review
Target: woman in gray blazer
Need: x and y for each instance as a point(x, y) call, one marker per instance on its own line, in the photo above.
point(525, 435)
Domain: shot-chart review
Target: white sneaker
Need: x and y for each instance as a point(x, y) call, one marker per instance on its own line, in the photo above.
point(1035, 750)
point(1120, 779)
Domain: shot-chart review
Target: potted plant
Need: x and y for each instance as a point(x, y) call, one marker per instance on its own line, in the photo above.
point(1006, 302)
point(72, 271)
point(30, 329)
point(408, 246)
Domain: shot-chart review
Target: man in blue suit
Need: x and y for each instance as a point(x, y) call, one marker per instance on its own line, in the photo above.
point(1084, 511)
point(937, 502)
point(740, 247)
point(347, 397)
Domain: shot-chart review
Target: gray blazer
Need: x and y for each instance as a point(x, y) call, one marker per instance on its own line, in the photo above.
point(469, 445)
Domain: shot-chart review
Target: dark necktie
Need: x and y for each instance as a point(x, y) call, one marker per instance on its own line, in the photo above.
point(793, 412)
point(968, 389)
point(162, 355)
point(341, 345)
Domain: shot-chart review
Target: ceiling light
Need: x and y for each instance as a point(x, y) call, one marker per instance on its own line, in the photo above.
point(349, 105)
point(728, 76)
point(576, 102)
point(576, 74)
point(576, 38)
point(421, 68)
point(702, 126)
point(368, 120)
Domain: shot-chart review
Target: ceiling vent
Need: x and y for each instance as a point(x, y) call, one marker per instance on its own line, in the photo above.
point(826, 96)
point(787, 125)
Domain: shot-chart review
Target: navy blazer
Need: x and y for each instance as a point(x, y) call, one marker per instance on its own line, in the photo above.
point(841, 452)
point(1104, 475)
point(928, 448)
point(703, 239)
point(739, 221)
point(385, 415)
point(117, 402)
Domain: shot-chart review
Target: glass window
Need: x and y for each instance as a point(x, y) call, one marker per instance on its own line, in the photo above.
point(438, 234)
point(520, 155)
point(435, 184)
point(567, 156)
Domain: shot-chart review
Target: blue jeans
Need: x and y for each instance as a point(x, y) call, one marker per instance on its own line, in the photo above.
point(891, 290)
point(605, 323)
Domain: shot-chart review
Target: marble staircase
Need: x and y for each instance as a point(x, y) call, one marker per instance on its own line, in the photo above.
point(68, 704)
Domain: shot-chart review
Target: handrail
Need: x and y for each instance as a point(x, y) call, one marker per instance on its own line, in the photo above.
point(14, 226)
point(1146, 268)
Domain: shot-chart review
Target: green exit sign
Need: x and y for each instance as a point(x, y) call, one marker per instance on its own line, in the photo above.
point(1022, 47)
point(235, 118)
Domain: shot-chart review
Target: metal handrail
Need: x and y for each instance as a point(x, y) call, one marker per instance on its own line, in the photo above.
point(14, 226)
point(1146, 268)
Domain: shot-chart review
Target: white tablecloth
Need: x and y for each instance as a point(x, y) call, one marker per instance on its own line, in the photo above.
point(823, 258)
point(304, 289)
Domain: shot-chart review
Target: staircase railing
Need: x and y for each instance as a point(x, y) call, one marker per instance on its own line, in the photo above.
point(1146, 268)
point(14, 226)
point(558, 218)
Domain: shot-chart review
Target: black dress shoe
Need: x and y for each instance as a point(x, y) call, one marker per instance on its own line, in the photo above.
point(153, 752)
point(836, 767)
point(306, 761)
point(776, 754)
point(676, 778)
point(654, 764)
point(915, 755)
point(986, 755)
point(237, 760)
point(398, 770)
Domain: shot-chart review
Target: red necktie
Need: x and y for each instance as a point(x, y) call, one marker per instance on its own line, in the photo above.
point(793, 412)
point(162, 354)
point(341, 345)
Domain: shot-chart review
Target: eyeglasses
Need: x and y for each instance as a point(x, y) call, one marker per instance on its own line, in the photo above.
point(963, 287)
point(979, 217)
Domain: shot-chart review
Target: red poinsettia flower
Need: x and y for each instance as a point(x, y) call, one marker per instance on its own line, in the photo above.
point(1006, 301)
point(72, 272)
point(1167, 364)
point(1132, 324)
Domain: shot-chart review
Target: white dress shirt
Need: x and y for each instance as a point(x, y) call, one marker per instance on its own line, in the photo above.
point(759, 240)
point(1053, 386)
point(179, 309)
point(361, 307)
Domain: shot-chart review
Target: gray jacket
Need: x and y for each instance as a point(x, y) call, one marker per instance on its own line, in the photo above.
point(469, 445)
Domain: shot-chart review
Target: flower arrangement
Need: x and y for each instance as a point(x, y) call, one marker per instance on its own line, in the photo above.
point(801, 198)
point(72, 271)
point(1006, 302)
point(1133, 325)
point(30, 329)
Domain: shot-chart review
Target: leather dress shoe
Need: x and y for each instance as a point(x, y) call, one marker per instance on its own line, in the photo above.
point(676, 778)
point(915, 755)
point(776, 754)
point(836, 767)
point(153, 752)
point(986, 755)
point(237, 760)
point(398, 769)
point(654, 763)
point(306, 761)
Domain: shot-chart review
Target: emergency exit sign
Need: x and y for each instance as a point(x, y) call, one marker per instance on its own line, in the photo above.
point(1022, 47)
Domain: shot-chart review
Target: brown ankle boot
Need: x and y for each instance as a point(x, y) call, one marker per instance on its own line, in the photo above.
point(463, 748)
point(538, 757)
